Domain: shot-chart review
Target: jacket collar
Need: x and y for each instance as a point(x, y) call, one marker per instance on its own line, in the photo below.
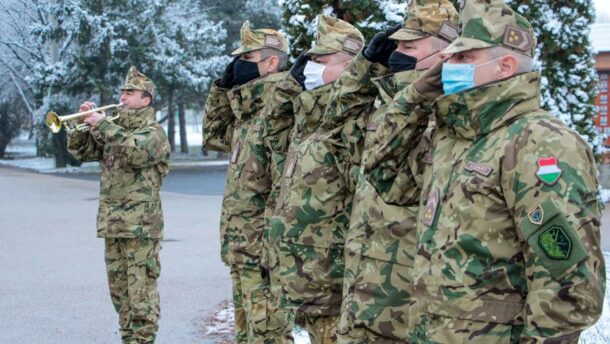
point(477, 112)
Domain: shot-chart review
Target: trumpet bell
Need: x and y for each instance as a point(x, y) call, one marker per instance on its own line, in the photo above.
point(53, 122)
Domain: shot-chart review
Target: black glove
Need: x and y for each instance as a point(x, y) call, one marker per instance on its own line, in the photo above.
point(298, 69)
point(380, 47)
point(228, 80)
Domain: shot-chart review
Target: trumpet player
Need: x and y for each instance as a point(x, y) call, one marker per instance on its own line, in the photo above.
point(133, 152)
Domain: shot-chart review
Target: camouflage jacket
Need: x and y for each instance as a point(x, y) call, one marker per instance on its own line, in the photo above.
point(312, 213)
point(508, 228)
point(233, 123)
point(134, 155)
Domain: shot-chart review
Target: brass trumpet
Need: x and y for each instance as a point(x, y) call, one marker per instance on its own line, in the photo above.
point(54, 121)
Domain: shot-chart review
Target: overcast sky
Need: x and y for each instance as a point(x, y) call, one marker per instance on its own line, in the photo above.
point(603, 10)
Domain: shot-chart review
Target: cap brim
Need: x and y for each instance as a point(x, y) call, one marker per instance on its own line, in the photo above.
point(321, 51)
point(242, 50)
point(465, 44)
point(408, 35)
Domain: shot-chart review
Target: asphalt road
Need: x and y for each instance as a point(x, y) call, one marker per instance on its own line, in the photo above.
point(201, 182)
point(53, 285)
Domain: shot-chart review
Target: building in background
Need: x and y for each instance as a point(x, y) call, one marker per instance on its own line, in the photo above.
point(600, 38)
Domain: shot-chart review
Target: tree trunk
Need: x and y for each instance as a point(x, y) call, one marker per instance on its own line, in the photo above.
point(184, 146)
point(171, 121)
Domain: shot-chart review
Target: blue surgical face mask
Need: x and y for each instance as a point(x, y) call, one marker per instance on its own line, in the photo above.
point(458, 77)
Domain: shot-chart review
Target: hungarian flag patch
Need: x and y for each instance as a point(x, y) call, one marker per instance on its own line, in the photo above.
point(548, 171)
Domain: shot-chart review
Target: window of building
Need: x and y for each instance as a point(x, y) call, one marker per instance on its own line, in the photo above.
point(604, 99)
point(603, 110)
point(603, 121)
point(607, 130)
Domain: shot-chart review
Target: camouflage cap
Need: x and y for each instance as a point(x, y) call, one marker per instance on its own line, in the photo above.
point(252, 40)
point(335, 35)
point(138, 81)
point(425, 18)
point(491, 23)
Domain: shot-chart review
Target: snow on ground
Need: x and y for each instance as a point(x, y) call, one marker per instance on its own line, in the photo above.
point(219, 327)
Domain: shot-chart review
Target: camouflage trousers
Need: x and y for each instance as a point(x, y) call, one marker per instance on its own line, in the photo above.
point(258, 317)
point(133, 268)
point(321, 329)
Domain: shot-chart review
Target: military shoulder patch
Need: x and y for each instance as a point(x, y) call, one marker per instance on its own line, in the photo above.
point(536, 215)
point(548, 170)
point(428, 159)
point(517, 38)
point(370, 126)
point(555, 243)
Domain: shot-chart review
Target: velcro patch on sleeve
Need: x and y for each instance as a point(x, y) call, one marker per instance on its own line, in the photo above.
point(552, 238)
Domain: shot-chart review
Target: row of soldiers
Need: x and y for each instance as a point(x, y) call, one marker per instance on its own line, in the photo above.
point(406, 190)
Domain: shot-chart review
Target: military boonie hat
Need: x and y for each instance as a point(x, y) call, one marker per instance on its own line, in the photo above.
point(335, 35)
point(138, 81)
point(425, 18)
point(493, 23)
point(252, 40)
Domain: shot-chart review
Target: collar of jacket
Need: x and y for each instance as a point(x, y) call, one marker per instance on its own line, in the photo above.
point(317, 97)
point(389, 85)
point(251, 97)
point(477, 112)
point(136, 118)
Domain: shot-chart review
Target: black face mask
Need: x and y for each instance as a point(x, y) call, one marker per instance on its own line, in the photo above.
point(400, 62)
point(244, 71)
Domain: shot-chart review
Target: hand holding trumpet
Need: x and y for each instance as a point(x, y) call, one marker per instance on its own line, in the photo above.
point(94, 118)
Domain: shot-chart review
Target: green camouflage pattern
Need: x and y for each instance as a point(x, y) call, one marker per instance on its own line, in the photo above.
point(335, 35)
point(252, 40)
point(135, 80)
point(242, 111)
point(248, 185)
point(425, 18)
point(321, 329)
point(484, 271)
point(257, 317)
point(310, 221)
point(133, 267)
point(133, 153)
point(379, 247)
point(491, 23)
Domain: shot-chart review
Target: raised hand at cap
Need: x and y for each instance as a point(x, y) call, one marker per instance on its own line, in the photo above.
point(381, 46)
point(228, 79)
point(429, 84)
point(298, 69)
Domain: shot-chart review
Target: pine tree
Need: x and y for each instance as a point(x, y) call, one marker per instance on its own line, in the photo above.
point(370, 16)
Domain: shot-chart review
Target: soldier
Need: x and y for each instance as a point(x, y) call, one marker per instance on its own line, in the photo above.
point(508, 229)
point(233, 109)
point(312, 211)
point(380, 242)
point(133, 152)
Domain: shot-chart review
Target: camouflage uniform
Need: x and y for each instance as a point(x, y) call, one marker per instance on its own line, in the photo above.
point(233, 124)
point(508, 227)
point(312, 212)
point(133, 153)
point(381, 239)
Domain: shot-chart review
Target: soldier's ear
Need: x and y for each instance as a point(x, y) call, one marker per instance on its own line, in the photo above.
point(507, 67)
point(274, 63)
